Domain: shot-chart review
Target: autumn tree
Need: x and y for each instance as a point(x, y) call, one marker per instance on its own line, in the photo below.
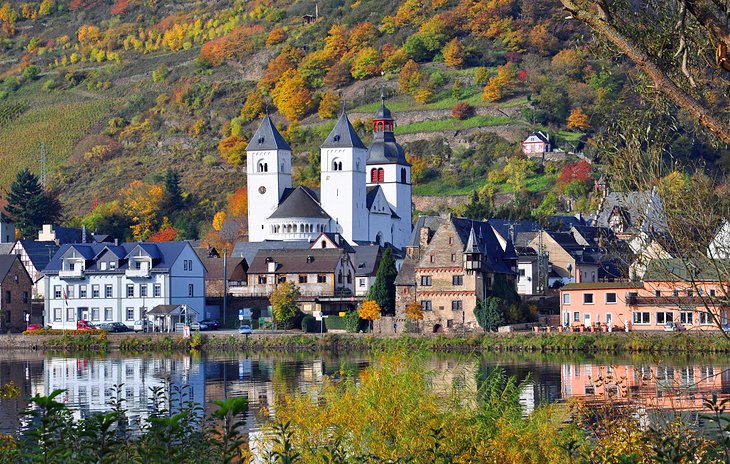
point(414, 312)
point(141, 204)
point(676, 44)
point(219, 220)
point(383, 290)
point(366, 63)
point(253, 107)
point(517, 170)
point(167, 233)
point(329, 105)
point(284, 303)
point(454, 53)
point(29, 205)
point(291, 96)
point(409, 77)
point(233, 150)
point(369, 310)
point(287, 60)
point(578, 120)
point(502, 85)
point(108, 218)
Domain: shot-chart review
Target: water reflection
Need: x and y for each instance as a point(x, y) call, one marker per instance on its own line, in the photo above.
point(90, 382)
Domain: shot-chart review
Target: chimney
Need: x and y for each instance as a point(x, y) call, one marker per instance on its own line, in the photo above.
point(116, 242)
point(83, 234)
point(425, 231)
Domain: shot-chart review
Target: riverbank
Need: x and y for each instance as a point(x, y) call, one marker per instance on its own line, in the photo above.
point(616, 343)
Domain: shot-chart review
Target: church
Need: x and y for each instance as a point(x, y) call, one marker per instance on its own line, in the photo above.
point(364, 194)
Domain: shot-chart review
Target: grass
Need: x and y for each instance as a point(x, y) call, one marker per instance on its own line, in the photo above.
point(438, 187)
point(452, 124)
point(58, 120)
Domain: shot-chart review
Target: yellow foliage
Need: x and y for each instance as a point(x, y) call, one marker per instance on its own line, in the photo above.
point(501, 85)
point(454, 53)
point(88, 34)
point(369, 310)
point(329, 105)
point(291, 96)
point(578, 120)
point(423, 95)
point(219, 220)
point(142, 204)
point(414, 311)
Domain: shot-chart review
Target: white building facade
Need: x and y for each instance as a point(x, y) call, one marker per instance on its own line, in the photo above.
point(365, 192)
point(109, 283)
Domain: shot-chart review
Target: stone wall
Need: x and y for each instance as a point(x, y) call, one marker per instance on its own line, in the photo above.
point(443, 203)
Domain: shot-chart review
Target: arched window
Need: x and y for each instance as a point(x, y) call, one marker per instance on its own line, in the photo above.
point(295, 228)
point(337, 165)
point(403, 177)
point(381, 175)
point(260, 166)
point(379, 238)
point(373, 175)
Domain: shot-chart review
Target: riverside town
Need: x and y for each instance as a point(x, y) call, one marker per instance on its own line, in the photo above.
point(438, 231)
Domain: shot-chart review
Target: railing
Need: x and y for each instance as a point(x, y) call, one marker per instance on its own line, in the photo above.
point(241, 291)
point(138, 273)
point(71, 274)
point(688, 301)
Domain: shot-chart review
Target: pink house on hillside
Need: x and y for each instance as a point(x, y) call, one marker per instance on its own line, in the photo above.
point(537, 143)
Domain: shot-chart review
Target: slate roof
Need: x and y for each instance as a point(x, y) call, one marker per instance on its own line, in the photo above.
point(371, 194)
point(524, 231)
point(338, 240)
point(640, 211)
point(247, 250)
point(164, 255)
point(6, 264)
point(677, 270)
point(556, 222)
point(296, 261)
point(39, 253)
point(6, 248)
point(407, 273)
point(592, 235)
point(600, 285)
point(343, 135)
point(299, 204)
point(267, 137)
point(432, 222)
point(384, 149)
point(367, 259)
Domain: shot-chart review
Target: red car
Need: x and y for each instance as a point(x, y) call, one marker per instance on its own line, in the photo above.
point(84, 325)
point(32, 327)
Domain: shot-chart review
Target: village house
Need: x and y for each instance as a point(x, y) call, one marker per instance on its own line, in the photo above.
point(35, 256)
point(121, 283)
point(15, 291)
point(671, 297)
point(537, 143)
point(452, 263)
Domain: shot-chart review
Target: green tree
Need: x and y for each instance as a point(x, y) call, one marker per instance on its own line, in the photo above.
point(284, 302)
point(30, 205)
point(383, 290)
point(173, 202)
point(490, 313)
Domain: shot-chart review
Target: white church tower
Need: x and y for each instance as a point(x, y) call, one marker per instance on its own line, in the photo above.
point(387, 168)
point(268, 172)
point(342, 169)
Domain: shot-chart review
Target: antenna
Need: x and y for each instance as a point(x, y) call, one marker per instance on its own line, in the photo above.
point(43, 164)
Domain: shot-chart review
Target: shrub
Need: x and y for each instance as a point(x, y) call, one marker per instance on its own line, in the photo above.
point(462, 110)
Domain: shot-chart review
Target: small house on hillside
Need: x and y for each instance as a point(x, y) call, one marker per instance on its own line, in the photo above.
point(537, 143)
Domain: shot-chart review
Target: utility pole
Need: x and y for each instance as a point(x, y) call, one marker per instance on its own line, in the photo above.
point(225, 284)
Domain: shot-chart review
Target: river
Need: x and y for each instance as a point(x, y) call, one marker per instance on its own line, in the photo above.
point(89, 382)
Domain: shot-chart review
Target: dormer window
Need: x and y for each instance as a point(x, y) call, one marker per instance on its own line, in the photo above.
point(112, 265)
point(137, 265)
point(102, 265)
point(336, 138)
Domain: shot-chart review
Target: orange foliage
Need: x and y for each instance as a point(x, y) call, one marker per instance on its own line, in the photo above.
point(329, 105)
point(75, 5)
point(291, 96)
point(237, 44)
point(454, 53)
point(335, 42)
point(238, 203)
point(287, 60)
point(409, 77)
point(120, 6)
point(501, 85)
point(276, 36)
point(166, 234)
point(363, 35)
point(88, 34)
point(578, 119)
point(253, 106)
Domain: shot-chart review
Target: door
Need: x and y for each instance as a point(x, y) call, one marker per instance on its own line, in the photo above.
point(609, 320)
point(587, 319)
point(566, 319)
point(84, 313)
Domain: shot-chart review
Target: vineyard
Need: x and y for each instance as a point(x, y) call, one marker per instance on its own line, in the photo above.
point(9, 111)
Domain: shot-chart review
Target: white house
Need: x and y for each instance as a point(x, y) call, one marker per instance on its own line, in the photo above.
point(121, 283)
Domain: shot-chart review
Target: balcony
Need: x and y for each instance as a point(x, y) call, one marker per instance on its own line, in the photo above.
point(71, 274)
point(676, 301)
point(137, 273)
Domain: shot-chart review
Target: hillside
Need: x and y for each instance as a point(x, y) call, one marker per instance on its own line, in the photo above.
point(124, 90)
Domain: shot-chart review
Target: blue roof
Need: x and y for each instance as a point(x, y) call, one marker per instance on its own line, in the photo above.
point(39, 253)
point(163, 254)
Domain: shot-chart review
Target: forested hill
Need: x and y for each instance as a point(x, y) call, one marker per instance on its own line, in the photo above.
point(120, 91)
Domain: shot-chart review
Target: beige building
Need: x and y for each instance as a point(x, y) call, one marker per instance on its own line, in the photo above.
point(452, 263)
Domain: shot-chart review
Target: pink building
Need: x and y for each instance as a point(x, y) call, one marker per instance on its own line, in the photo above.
point(537, 142)
point(647, 306)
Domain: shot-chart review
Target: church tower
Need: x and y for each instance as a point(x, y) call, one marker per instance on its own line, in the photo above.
point(268, 173)
point(342, 185)
point(387, 167)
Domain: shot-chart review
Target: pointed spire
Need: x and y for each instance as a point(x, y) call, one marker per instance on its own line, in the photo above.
point(343, 135)
point(267, 137)
point(472, 245)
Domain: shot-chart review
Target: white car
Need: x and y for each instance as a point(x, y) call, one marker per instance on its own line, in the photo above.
point(245, 329)
point(142, 325)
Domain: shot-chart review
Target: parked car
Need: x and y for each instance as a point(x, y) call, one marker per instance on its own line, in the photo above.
point(116, 327)
point(213, 324)
point(84, 325)
point(32, 327)
point(245, 329)
point(142, 325)
point(671, 327)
